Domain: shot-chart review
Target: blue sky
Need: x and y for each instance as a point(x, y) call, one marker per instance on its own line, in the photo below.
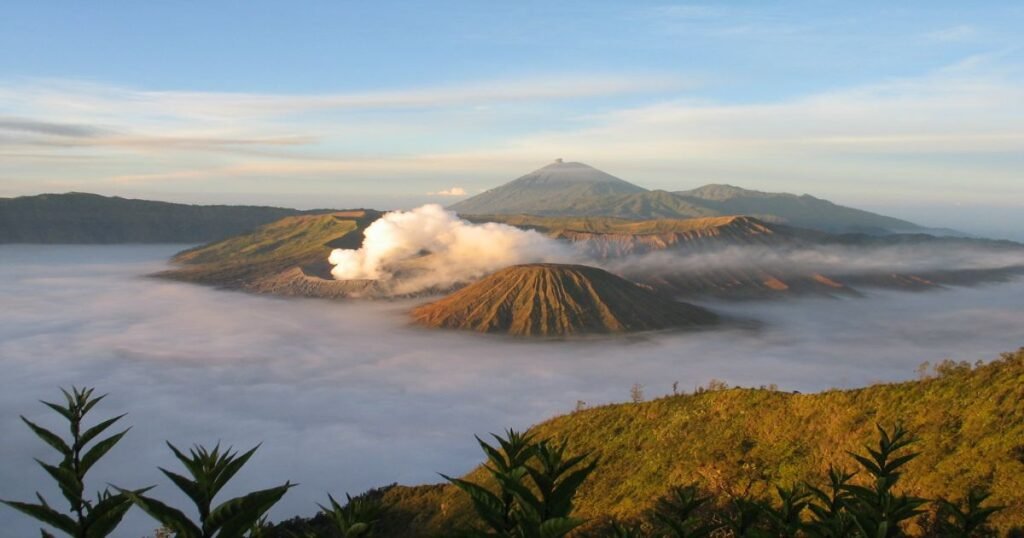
point(912, 108)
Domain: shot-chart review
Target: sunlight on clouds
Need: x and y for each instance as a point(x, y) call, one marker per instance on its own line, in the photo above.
point(928, 131)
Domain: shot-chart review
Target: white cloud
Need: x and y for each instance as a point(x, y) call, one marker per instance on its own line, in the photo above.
point(454, 191)
point(82, 99)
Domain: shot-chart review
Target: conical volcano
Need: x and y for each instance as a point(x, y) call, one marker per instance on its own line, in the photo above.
point(558, 300)
point(546, 189)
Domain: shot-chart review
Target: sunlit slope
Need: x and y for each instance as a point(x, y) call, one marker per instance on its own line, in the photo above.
point(285, 248)
point(558, 300)
point(970, 424)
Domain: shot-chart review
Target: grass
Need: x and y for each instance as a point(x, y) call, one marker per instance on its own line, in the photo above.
point(304, 240)
point(731, 442)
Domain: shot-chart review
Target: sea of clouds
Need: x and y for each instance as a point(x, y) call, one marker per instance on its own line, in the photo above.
point(347, 395)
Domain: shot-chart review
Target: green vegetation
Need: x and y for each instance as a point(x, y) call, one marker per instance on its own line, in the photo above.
point(302, 241)
point(543, 508)
point(87, 519)
point(210, 471)
point(558, 300)
point(356, 518)
point(968, 421)
point(720, 462)
point(90, 218)
point(537, 484)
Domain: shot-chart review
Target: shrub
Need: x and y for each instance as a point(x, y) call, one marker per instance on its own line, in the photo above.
point(210, 471)
point(79, 453)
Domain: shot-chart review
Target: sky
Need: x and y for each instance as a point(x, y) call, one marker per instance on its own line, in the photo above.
point(914, 109)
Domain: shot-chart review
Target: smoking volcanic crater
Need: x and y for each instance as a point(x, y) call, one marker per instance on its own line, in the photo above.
point(500, 259)
point(558, 300)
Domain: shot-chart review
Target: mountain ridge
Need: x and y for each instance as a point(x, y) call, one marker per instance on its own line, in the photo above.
point(86, 218)
point(577, 189)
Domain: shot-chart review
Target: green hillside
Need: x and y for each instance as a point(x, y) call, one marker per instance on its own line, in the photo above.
point(90, 218)
point(302, 241)
point(969, 420)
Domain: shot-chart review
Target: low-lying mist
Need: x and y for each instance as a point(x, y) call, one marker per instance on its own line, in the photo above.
point(430, 248)
point(347, 395)
point(828, 259)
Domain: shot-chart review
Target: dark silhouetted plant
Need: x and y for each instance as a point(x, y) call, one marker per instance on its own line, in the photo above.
point(505, 464)
point(210, 471)
point(79, 453)
point(966, 518)
point(829, 517)
point(876, 510)
point(540, 508)
point(356, 518)
point(746, 520)
point(786, 519)
point(618, 530)
point(678, 514)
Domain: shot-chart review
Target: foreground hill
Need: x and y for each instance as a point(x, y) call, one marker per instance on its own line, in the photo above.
point(558, 300)
point(90, 218)
point(578, 190)
point(970, 422)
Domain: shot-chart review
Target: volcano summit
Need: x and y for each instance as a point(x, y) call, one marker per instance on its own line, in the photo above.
point(558, 300)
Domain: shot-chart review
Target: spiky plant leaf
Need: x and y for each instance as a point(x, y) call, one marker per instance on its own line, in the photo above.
point(558, 527)
point(99, 450)
point(48, 437)
point(167, 516)
point(46, 515)
point(241, 513)
point(92, 432)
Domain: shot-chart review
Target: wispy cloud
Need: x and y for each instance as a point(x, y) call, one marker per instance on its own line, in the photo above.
point(958, 33)
point(83, 98)
point(924, 136)
point(454, 191)
point(21, 125)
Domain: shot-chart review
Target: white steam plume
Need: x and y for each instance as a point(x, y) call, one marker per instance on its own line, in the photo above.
point(429, 247)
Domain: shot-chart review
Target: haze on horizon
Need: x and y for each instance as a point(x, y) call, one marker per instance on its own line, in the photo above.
point(914, 111)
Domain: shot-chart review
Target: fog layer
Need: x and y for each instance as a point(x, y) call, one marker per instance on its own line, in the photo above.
point(346, 395)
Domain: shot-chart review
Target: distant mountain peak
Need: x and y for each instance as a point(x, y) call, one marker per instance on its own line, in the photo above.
point(560, 170)
point(563, 188)
point(551, 185)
